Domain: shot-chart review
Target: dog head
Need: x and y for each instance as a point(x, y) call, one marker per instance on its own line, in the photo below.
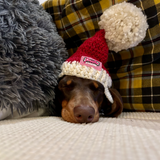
point(80, 100)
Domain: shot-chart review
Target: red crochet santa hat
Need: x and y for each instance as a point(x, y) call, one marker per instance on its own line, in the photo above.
point(88, 62)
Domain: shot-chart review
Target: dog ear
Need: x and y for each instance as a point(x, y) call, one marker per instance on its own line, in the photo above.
point(112, 109)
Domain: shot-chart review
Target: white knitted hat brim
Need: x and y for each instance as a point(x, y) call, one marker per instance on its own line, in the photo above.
point(74, 68)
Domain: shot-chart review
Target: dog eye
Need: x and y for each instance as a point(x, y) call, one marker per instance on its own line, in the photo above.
point(68, 85)
point(69, 82)
point(94, 86)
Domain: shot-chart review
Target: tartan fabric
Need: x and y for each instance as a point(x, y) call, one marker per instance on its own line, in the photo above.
point(135, 72)
point(77, 20)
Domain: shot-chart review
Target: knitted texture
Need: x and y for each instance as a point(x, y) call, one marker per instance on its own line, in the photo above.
point(95, 47)
point(125, 26)
point(132, 136)
point(95, 50)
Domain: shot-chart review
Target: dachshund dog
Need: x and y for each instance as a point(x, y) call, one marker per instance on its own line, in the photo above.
point(81, 100)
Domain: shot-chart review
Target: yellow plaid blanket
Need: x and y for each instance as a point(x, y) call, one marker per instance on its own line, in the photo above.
point(135, 72)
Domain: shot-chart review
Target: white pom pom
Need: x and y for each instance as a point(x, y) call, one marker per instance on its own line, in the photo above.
point(125, 26)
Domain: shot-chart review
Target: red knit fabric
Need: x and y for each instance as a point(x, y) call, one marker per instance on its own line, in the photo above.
point(94, 47)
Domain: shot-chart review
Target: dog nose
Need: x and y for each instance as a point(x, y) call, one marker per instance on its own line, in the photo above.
point(84, 114)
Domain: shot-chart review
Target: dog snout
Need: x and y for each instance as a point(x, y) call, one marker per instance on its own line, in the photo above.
point(84, 114)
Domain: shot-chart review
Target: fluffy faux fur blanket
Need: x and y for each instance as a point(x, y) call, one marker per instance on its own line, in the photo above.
point(31, 54)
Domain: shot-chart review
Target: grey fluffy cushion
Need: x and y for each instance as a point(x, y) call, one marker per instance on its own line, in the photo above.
point(31, 54)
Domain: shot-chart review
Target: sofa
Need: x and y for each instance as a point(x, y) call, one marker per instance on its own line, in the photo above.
point(134, 135)
point(131, 136)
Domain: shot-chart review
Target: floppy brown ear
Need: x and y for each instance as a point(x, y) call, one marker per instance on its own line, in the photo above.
point(113, 109)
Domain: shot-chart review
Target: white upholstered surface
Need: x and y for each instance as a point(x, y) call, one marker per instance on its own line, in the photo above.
point(41, 1)
point(132, 136)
